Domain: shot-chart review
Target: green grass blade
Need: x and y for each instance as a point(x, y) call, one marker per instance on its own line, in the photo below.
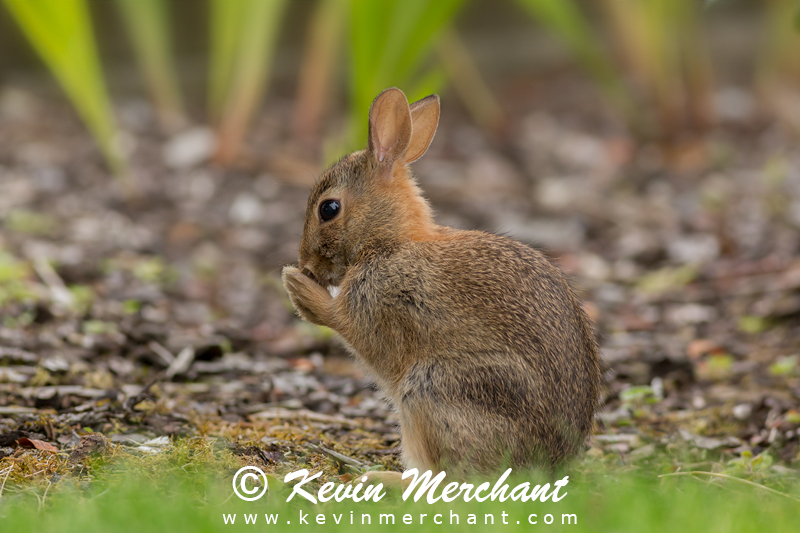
point(148, 25)
point(422, 25)
point(61, 33)
point(368, 30)
point(245, 37)
point(389, 42)
point(320, 60)
point(225, 20)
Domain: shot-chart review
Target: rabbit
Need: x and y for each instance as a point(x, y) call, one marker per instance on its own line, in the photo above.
point(476, 339)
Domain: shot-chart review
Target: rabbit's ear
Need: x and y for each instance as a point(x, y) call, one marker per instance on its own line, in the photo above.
point(389, 126)
point(424, 120)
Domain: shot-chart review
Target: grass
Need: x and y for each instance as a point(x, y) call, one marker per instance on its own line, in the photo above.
point(189, 500)
point(185, 485)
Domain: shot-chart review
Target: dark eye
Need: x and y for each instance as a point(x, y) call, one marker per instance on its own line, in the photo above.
point(329, 209)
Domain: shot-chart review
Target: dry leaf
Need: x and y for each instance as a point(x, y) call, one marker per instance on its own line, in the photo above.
point(25, 442)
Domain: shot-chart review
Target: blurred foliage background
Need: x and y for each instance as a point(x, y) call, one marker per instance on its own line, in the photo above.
point(650, 59)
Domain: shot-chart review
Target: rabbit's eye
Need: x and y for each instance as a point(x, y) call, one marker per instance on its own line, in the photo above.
point(329, 209)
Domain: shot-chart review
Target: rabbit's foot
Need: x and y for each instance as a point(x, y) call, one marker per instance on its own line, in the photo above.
point(312, 302)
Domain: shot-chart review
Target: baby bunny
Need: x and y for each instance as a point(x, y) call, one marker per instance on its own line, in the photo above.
point(477, 340)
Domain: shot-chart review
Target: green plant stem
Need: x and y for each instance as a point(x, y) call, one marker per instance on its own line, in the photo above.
point(243, 40)
point(390, 40)
point(317, 69)
point(467, 80)
point(148, 25)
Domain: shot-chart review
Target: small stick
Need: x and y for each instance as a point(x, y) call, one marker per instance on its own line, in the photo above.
point(181, 363)
point(162, 352)
point(288, 414)
point(59, 291)
point(725, 476)
point(339, 456)
point(133, 400)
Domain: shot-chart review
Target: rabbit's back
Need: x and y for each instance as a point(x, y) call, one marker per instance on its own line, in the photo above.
point(475, 291)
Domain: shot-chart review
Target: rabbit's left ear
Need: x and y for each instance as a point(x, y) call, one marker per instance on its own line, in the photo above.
point(389, 127)
point(424, 121)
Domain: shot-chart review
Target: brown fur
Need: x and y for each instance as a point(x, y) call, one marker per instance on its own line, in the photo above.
point(477, 339)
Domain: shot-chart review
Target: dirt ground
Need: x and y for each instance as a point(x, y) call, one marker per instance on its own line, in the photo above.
point(162, 315)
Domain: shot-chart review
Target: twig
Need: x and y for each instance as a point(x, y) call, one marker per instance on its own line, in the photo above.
point(165, 355)
point(339, 456)
point(287, 414)
point(725, 476)
point(7, 352)
point(181, 363)
point(317, 68)
point(59, 291)
point(16, 410)
point(133, 400)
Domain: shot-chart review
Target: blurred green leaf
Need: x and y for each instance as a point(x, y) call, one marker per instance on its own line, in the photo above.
point(761, 462)
point(753, 324)
point(14, 286)
point(638, 395)
point(130, 307)
point(30, 222)
point(797, 18)
point(667, 279)
point(82, 298)
point(148, 25)
point(389, 41)
point(715, 367)
point(61, 32)
point(785, 366)
point(565, 19)
point(154, 270)
point(243, 35)
point(225, 20)
point(98, 327)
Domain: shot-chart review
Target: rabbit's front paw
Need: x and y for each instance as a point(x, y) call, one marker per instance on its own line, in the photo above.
point(312, 302)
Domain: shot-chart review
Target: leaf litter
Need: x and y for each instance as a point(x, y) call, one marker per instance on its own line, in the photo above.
point(155, 337)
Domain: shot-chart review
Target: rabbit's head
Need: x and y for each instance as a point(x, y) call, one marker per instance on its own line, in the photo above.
point(368, 202)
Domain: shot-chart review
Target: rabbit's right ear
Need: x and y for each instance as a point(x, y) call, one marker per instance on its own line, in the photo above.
point(424, 121)
point(389, 127)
